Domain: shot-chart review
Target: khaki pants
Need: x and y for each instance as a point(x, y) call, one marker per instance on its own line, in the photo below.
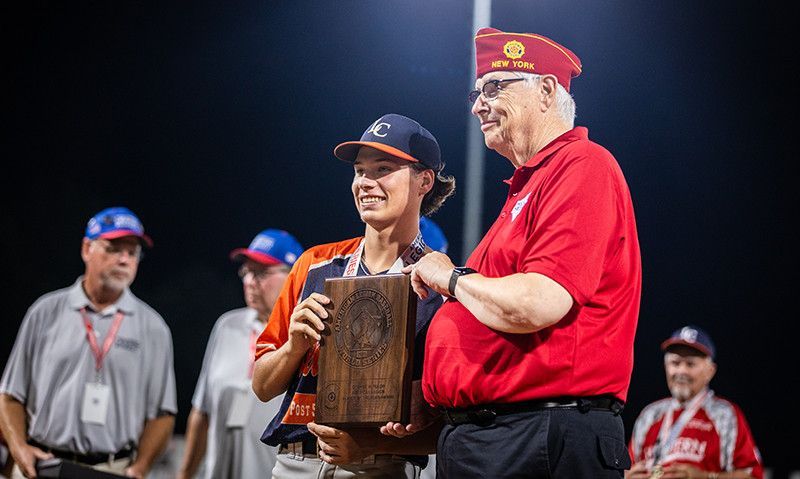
point(116, 467)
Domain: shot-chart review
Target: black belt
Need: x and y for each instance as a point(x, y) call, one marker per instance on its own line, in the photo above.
point(484, 415)
point(90, 458)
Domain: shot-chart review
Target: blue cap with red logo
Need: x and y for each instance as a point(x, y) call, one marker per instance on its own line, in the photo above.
point(398, 136)
point(432, 235)
point(693, 337)
point(271, 247)
point(116, 222)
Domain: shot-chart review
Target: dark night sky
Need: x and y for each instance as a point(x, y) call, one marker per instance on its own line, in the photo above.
point(214, 121)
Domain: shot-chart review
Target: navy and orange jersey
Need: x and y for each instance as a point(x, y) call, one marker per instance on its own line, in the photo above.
point(308, 276)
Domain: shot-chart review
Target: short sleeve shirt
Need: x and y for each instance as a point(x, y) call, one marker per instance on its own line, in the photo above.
point(51, 362)
point(716, 439)
point(233, 450)
point(568, 216)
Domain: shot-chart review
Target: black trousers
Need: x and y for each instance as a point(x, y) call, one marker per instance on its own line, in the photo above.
point(548, 443)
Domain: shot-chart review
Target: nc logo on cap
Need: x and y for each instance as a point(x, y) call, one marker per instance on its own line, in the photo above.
point(689, 334)
point(376, 128)
point(514, 49)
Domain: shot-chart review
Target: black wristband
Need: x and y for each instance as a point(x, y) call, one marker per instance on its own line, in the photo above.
point(457, 272)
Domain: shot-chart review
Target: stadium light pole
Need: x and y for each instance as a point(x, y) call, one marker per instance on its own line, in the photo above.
point(473, 198)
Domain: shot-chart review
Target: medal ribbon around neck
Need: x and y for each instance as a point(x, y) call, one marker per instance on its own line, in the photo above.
point(411, 255)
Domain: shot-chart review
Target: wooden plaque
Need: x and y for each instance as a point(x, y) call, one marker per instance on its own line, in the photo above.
point(366, 357)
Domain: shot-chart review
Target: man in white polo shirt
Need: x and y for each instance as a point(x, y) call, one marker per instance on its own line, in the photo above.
point(227, 418)
point(90, 378)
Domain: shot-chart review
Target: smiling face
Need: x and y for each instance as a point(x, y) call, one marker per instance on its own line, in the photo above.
point(688, 372)
point(512, 114)
point(386, 189)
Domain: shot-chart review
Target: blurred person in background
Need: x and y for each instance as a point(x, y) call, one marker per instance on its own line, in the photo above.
point(227, 419)
point(694, 434)
point(90, 378)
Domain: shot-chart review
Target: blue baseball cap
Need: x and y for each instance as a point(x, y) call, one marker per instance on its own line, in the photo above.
point(693, 337)
point(271, 247)
point(116, 222)
point(398, 136)
point(432, 234)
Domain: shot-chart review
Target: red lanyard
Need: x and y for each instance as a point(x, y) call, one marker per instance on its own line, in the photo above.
point(109, 341)
point(253, 338)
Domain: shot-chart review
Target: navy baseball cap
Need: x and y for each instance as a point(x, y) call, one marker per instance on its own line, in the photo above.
point(271, 247)
point(693, 337)
point(432, 235)
point(116, 222)
point(398, 136)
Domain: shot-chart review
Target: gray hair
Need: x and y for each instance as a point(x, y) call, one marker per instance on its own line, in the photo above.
point(565, 104)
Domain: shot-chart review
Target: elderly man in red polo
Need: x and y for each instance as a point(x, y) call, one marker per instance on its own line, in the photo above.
point(530, 357)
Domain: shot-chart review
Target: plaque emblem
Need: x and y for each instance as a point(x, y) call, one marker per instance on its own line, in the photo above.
point(362, 328)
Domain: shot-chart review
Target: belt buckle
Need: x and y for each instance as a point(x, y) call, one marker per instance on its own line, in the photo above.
point(482, 417)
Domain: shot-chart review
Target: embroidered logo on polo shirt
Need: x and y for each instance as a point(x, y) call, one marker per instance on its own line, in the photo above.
point(127, 344)
point(518, 207)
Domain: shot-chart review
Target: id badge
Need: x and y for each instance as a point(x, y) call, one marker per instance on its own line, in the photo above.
point(95, 403)
point(239, 414)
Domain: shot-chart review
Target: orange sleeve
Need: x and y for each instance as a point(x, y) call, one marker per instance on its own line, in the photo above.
point(276, 333)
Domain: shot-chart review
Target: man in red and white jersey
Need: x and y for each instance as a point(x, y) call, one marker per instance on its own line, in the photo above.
point(694, 433)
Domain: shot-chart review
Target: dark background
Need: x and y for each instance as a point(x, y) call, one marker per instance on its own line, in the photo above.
point(214, 121)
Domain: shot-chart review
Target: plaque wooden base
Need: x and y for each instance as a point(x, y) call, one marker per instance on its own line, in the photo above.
point(366, 359)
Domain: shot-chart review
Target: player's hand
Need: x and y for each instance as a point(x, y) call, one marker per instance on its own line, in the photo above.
point(136, 471)
point(306, 322)
point(683, 471)
point(337, 446)
point(432, 270)
point(422, 415)
point(638, 471)
point(26, 457)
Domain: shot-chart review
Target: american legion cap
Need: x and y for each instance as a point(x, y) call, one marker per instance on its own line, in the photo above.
point(116, 222)
point(269, 247)
point(398, 136)
point(693, 337)
point(496, 50)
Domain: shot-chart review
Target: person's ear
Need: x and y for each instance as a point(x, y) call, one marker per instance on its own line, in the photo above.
point(428, 177)
point(547, 89)
point(86, 249)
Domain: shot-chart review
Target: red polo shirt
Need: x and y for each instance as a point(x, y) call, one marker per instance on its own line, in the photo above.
point(568, 216)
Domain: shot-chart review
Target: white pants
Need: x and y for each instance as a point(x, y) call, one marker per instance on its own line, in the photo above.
point(309, 466)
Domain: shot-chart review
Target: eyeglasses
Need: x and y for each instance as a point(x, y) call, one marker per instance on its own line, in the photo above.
point(259, 274)
point(490, 89)
point(119, 249)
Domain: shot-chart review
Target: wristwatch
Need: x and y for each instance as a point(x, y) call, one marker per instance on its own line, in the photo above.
point(458, 271)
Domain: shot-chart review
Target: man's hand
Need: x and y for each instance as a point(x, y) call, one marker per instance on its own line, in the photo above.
point(434, 270)
point(26, 456)
point(337, 446)
point(136, 470)
point(422, 415)
point(683, 471)
point(306, 322)
point(638, 471)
